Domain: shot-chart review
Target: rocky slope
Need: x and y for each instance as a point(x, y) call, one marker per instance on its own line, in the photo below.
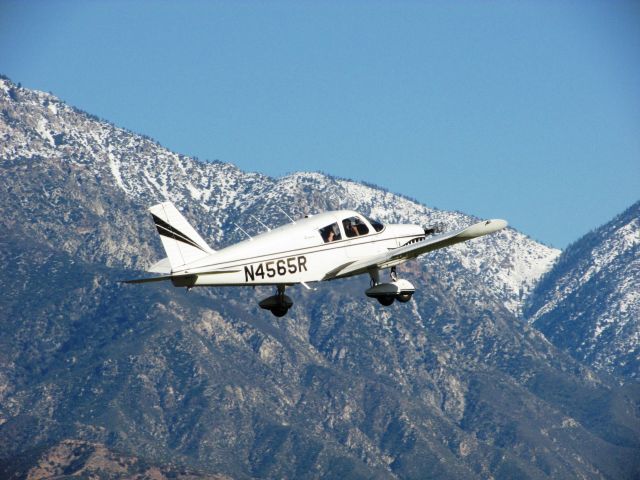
point(589, 303)
point(453, 383)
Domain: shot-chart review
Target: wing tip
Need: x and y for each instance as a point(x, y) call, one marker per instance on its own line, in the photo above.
point(497, 224)
point(483, 228)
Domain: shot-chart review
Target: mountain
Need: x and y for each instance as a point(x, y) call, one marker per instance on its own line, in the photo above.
point(453, 384)
point(589, 303)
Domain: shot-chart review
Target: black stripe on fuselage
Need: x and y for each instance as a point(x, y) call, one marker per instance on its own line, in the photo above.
point(300, 251)
point(167, 230)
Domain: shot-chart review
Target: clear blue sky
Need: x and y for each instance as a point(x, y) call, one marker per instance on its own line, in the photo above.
point(528, 111)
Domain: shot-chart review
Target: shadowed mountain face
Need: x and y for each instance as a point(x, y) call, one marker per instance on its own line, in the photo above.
point(589, 303)
point(450, 385)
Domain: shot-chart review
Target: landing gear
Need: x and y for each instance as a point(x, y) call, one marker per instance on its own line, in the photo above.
point(387, 293)
point(278, 304)
point(393, 274)
point(385, 300)
point(279, 311)
point(404, 297)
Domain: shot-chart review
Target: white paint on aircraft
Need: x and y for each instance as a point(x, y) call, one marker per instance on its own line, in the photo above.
point(321, 247)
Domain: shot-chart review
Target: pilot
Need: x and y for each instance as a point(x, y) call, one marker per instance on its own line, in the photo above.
point(351, 229)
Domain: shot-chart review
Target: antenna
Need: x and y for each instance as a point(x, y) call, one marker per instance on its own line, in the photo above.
point(285, 214)
point(242, 230)
point(268, 229)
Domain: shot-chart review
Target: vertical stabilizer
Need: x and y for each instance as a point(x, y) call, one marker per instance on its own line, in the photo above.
point(181, 242)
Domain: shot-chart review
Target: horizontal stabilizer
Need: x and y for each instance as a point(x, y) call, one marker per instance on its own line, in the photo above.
point(148, 280)
point(178, 277)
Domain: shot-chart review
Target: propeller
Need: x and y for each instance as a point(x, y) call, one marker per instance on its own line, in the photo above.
point(433, 230)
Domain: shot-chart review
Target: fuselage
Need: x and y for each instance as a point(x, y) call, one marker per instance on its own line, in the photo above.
point(305, 251)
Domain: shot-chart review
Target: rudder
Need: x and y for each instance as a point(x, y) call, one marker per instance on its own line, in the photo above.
point(181, 242)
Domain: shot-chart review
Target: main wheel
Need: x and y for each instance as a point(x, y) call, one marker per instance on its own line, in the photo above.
point(404, 297)
point(386, 300)
point(279, 311)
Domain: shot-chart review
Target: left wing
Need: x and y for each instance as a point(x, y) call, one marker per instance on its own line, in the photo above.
point(402, 254)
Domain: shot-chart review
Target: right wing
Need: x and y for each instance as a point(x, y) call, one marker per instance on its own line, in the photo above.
point(407, 252)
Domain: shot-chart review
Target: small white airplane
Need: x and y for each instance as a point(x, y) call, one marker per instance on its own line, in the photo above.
point(327, 246)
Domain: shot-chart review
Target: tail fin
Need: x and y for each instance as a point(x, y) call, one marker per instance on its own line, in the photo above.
point(181, 242)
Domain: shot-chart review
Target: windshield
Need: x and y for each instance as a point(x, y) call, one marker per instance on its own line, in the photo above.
point(377, 226)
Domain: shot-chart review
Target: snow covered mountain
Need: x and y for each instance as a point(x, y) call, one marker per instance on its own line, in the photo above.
point(220, 195)
point(98, 376)
point(589, 303)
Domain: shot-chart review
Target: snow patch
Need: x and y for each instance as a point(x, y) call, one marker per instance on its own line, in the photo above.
point(44, 132)
point(115, 171)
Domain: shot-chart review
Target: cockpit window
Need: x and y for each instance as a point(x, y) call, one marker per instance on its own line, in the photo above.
point(330, 233)
point(378, 227)
point(354, 226)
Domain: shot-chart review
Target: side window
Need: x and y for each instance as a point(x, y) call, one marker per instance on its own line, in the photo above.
point(330, 233)
point(354, 227)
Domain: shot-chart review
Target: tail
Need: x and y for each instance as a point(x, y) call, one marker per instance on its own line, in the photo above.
point(181, 242)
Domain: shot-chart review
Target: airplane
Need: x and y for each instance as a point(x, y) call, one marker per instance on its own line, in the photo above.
point(321, 247)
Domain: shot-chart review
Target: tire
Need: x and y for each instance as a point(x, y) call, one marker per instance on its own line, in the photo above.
point(386, 300)
point(404, 297)
point(279, 311)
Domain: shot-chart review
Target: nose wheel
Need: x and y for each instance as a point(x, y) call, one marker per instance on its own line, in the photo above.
point(278, 304)
point(385, 300)
point(387, 293)
point(404, 297)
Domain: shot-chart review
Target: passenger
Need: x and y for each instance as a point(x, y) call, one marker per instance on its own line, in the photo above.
point(330, 233)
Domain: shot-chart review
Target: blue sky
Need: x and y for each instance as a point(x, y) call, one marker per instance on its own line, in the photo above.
point(528, 111)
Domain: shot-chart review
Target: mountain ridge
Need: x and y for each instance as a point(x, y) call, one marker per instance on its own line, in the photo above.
point(589, 303)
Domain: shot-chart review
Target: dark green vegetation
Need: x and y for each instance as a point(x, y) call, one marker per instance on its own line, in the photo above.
point(452, 385)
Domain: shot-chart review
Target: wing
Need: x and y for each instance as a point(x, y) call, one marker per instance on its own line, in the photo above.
point(402, 254)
